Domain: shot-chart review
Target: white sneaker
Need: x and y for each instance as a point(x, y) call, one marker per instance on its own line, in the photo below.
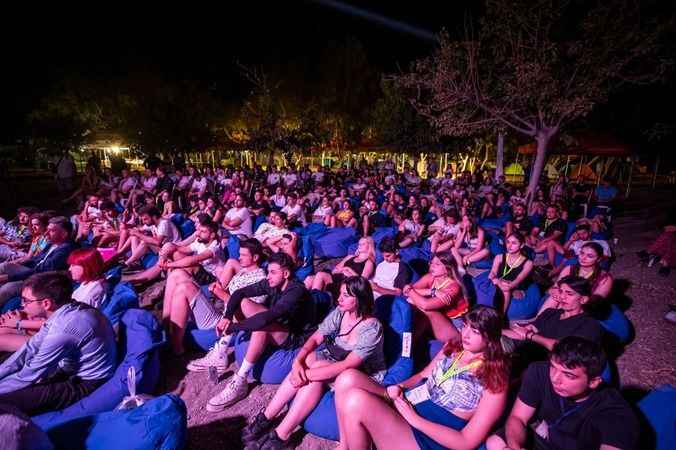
point(236, 390)
point(217, 357)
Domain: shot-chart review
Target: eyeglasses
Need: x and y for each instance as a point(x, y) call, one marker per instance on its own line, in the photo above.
point(25, 301)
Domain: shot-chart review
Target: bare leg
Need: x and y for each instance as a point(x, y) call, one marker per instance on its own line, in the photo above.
point(232, 266)
point(353, 378)
point(179, 314)
point(138, 250)
point(507, 296)
point(174, 278)
point(458, 257)
point(321, 279)
point(478, 256)
point(147, 275)
point(495, 442)
point(365, 226)
point(406, 242)
point(441, 326)
point(308, 281)
point(369, 419)
point(445, 246)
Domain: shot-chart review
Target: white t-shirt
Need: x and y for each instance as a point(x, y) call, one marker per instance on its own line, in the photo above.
point(127, 184)
point(245, 227)
point(268, 230)
point(576, 246)
point(273, 178)
point(149, 183)
point(321, 212)
point(279, 200)
point(296, 210)
point(166, 229)
point(91, 293)
point(184, 181)
point(385, 275)
point(213, 264)
point(318, 176)
point(199, 184)
point(290, 179)
point(446, 229)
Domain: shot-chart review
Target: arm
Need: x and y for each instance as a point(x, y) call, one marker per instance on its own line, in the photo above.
point(286, 303)
point(368, 269)
point(331, 371)
point(341, 264)
point(515, 427)
point(527, 268)
point(493, 275)
point(253, 290)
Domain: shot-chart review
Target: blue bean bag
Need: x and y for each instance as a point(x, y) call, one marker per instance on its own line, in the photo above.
point(618, 324)
point(272, 367)
point(519, 309)
point(334, 242)
point(396, 316)
point(381, 233)
point(159, 424)
point(258, 221)
point(659, 408)
point(149, 260)
point(12, 304)
point(140, 338)
point(313, 229)
point(119, 300)
point(307, 255)
point(185, 226)
point(233, 247)
point(201, 339)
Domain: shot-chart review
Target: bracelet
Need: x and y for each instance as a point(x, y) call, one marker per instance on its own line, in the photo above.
point(18, 325)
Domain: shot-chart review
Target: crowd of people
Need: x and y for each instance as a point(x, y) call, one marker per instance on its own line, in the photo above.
point(543, 373)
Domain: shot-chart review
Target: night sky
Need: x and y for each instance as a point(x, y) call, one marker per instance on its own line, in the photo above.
point(203, 42)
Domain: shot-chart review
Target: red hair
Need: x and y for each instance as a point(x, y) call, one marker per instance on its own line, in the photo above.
point(494, 370)
point(90, 260)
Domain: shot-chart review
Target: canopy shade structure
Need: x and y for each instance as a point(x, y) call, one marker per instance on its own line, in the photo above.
point(514, 169)
point(583, 170)
point(591, 144)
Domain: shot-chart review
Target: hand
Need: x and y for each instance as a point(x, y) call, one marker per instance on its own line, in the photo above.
point(221, 326)
point(406, 289)
point(520, 331)
point(10, 319)
point(405, 409)
point(213, 286)
point(393, 391)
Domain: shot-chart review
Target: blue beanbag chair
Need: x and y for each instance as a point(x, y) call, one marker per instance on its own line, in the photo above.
point(618, 324)
point(272, 367)
point(12, 304)
point(201, 339)
point(307, 254)
point(185, 226)
point(396, 316)
point(141, 336)
point(149, 260)
point(659, 408)
point(233, 247)
point(159, 424)
point(313, 229)
point(519, 309)
point(121, 298)
point(381, 233)
point(334, 242)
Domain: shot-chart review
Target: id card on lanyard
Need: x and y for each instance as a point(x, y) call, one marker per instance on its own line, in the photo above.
point(543, 429)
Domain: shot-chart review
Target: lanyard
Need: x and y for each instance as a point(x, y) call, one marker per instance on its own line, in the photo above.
point(506, 272)
point(453, 371)
point(565, 413)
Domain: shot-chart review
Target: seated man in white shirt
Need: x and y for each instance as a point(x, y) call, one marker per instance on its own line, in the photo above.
point(572, 247)
point(157, 232)
point(294, 212)
point(238, 218)
point(270, 233)
point(182, 296)
point(391, 274)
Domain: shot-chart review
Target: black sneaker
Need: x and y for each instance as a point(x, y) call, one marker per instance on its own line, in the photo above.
point(273, 442)
point(664, 271)
point(257, 428)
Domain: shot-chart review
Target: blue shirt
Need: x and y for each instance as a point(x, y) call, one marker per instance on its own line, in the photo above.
point(76, 338)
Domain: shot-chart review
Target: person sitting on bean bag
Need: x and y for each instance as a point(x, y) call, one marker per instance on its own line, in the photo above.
point(283, 321)
point(348, 338)
point(563, 403)
point(438, 297)
point(69, 358)
point(463, 394)
point(511, 270)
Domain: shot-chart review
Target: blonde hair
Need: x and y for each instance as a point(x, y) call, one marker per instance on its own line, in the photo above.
point(371, 248)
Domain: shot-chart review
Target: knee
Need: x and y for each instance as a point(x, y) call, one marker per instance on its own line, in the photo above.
point(495, 442)
point(346, 381)
point(354, 402)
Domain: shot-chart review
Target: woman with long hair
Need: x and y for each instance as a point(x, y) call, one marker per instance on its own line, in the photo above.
point(588, 267)
point(463, 395)
point(511, 270)
point(349, 338)
point(438, 298)
point(470, 244)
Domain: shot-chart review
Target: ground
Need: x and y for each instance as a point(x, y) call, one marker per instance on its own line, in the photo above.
point(648, 361)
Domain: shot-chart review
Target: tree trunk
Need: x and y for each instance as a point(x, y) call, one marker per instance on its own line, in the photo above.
point(542, 138)
point(500, 156)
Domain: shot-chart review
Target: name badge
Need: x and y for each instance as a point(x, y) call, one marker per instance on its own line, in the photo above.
point(541, 234)
point(417, 395)
point(542, 430)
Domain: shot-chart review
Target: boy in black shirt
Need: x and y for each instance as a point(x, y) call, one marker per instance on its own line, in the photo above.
point(566, 405)
point(283, 321)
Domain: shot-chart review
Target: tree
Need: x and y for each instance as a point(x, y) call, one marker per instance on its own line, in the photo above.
point(535, 67)
point(67, 116)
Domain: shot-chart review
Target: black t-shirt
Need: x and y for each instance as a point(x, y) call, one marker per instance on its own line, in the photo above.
point(550, 227)
point(603, 418)
point(550, 325)
point(523, 225)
